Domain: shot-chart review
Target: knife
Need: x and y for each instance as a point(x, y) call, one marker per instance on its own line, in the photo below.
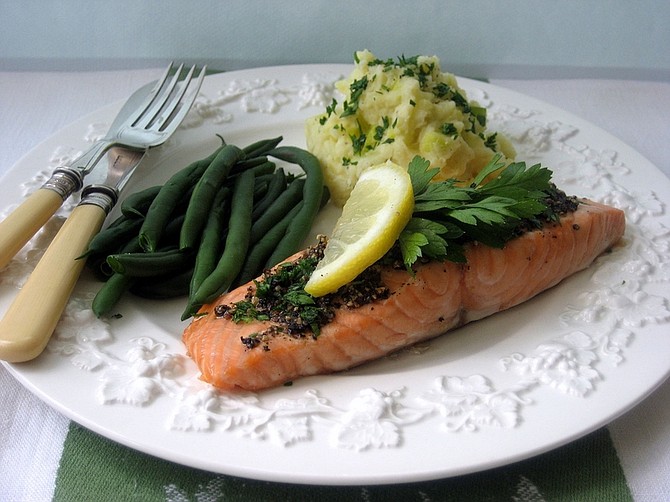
point(28, 323)
point(35, 211)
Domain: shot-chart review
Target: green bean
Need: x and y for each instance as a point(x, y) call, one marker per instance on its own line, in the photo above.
point(137, 203)
point(194, 235)
point(248, 163)
point(276, 186)
point(163, 287)
point(258, 256)
point(120, 220)
point(264, 183)
point(235, 249)
point(261, 250)
point(266, 167)
point(261, 187)
point(260, 170)
point(211, 242)
point(171, 233)
point(277, 209)
point(111, 239)
point(115, 284)
point(312, 196)
point(150, 264)
point(98, 265)
point(291, 246)
point(110, 293)
point(264, 178)
point(168, 198)
point(104, 271)
point(261, 147)
point(204, 194)
point(169, 239)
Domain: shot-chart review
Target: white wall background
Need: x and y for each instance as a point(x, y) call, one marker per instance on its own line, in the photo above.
point(477, 38)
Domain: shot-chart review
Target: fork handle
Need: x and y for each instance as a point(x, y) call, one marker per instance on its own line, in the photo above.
point(32, 317)
point(35, 211)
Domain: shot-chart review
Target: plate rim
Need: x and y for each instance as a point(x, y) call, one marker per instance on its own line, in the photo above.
point(324, 479)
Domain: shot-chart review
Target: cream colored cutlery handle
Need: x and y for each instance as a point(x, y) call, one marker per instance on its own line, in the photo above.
point(25, 221)
point(32, 317)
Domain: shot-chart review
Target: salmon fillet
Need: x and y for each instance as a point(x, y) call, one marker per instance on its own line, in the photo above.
point(441, 296)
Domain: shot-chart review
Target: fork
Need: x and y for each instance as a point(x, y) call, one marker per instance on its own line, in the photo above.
point(151, 125)
point(34, 313)
point(163, 110)
point(140, 108)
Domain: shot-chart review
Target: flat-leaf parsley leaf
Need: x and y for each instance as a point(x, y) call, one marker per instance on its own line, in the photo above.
point(490, 210)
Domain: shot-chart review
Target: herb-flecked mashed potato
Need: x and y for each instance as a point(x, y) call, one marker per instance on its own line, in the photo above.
point(395, 110)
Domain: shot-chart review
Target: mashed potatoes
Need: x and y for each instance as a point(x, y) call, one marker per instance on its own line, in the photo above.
point(394, 110)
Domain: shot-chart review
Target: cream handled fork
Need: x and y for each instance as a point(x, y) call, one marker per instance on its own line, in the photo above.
point(32, 317)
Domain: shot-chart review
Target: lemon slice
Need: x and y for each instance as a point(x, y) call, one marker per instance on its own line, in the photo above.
point(379, 207)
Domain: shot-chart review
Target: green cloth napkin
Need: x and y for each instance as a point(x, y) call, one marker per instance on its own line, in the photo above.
point(94, 468)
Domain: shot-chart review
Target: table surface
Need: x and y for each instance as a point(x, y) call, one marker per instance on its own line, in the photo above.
point(35, 105)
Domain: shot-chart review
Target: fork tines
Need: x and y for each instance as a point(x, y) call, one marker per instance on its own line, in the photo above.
point(171, 97)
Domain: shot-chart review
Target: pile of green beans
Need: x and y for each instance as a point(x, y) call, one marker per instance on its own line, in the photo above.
point(216, 224)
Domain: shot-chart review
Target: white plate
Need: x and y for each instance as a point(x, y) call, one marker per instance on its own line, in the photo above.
point(500, 390)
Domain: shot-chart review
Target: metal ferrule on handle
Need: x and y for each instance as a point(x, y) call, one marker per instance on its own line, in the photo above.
point(65, 181)
point(24, 222)
point(103, 196)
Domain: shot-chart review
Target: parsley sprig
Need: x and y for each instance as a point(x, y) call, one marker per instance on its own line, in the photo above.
point(446, 215)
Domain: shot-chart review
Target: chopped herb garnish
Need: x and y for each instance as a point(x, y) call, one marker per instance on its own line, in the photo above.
point(442, 90)
point(357, 87)
point(358, 141)
point(330, 109)
point(477, 117)
point(279, 297)
point(490, 141)
point(449, 129)
point(380, 132)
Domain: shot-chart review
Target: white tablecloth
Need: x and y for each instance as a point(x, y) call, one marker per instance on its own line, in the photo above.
point(34, 106)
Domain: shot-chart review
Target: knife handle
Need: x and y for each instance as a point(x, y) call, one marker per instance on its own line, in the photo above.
point(19, 227)
point(32, 317)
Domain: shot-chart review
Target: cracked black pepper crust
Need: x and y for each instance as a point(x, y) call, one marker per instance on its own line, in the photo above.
point(278, 297)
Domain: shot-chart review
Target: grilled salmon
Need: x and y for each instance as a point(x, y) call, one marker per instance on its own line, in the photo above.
point(438, 297)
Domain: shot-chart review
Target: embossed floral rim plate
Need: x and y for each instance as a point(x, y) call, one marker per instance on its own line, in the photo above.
point(500, 390)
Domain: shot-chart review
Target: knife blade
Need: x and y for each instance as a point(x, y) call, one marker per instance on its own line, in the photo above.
point(43, 297)
point(19, 227)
